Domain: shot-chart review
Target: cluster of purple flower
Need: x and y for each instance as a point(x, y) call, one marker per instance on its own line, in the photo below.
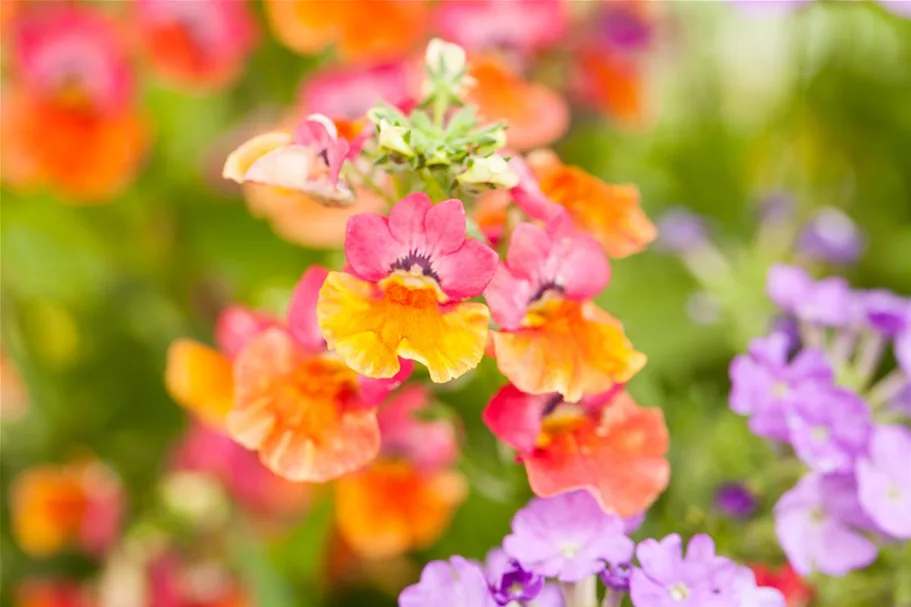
point(558, 549)
point(818, 384)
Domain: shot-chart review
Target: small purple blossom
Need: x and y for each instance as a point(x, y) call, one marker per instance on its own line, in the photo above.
point(818, 524)
point(763, 383)
point(829, 427)
point(509, 581)
point(884, 311)
point(567, 537)
point(455, 583)
point(830, 236)
point(902, 347)
point(735, 500)
point(667, 578)
point(748, 594)
point(828, 302)
point(680, 231)
point(884, 480)
point(617, 576)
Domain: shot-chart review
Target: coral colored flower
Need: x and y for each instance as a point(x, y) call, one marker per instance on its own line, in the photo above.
point(52, 593)
point(553, 339)
point(609, 213)
point(308, 161)
point(348, 92)
point(362, 30)
point(605, 444)
point(55, 506)
point(796, 591)
point(536, 115)
point(197, 44)
point(479, 24)
point(404, 299)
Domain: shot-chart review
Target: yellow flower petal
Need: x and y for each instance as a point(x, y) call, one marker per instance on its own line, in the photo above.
point(199, 378)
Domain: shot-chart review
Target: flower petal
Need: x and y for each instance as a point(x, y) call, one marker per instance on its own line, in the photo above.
point(466, 272)
point(515, 417)
point(302, 310)
point(236, 326)
point(240, 160)
point(444, 227)
point(508, 298)
point(370, 247)
point(374, 391)
point(199, 379)
point(406, 221)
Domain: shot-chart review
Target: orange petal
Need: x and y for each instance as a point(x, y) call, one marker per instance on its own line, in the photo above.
point(199, 378)
point(306, 26)
point(572, 348)
point(391, 507)
point(378, 30)
point(620, 459)
point(291, 407)
point(46, 509)
point(371, 328)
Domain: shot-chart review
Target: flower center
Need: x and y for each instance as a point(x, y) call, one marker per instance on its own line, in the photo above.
point(893, 493)
point(413, 290)
point(819, 434)
point(569, 550)
point(679, 592)
point(313, 396)
point(780, 389)
point(417, 264)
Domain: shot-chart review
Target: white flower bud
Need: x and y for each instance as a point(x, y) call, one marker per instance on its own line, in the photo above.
point(445, 57)
point(393, 138)
point(492, 170)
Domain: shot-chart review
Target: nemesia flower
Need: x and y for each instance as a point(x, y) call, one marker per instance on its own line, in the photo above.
point(454, 583)
point(609, 213)
point(52, 593)
point(197, 44)
point(55, 506)
point(667, 578)
point(829, 427)
point(568, 537)
point(606, 445)
point(68, 118)
point(536, 115)
point(818, 524)
point(827, 302)
point(410, 275)
point(553, 339)
point(478, 24)
point(764, 383)
point(509, 581)
point(831, 236)
point(796, 591)
point(735, 500)
point(349, 92)
point(361, 30)
point(884, 480)
point(308, 161)
point(885, 312)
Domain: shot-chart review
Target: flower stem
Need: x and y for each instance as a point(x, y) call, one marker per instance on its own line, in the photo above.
point(434, 189)
point(581, 594)
point(613, 598)
point(362, 177)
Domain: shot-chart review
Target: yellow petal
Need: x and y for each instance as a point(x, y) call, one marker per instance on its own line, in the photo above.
point(199, 378)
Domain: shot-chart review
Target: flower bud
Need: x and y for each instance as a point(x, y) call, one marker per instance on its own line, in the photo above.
point(393, 138)
point(445, 58)
point(492, 170)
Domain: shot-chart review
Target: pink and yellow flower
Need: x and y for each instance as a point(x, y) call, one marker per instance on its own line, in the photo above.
point(476, 25)
point(405, 296)
point(68, 118)
point(552, 337)
point(609, 213)
point(199, 45)
point(536, 115)
point(361, 30)
point(53, 507)
point(404, 500)
point(605, 444)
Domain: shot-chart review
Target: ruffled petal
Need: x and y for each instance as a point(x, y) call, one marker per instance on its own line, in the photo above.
point(406, 221)
point(620, 460)
point(466, 272)
point(370, 247)
point(199, 378)
point(302, 310)
point(528, 254)
point(508, 298)
point(370, 328)
point(581, 267)
point(444, 227)
point(515, 417)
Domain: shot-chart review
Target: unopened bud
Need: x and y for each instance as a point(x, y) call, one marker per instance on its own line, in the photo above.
point(445, 58)
point(492, 170)
point(394, 138)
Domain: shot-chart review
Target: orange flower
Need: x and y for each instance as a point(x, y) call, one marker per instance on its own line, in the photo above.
point(536, 115)
point(609, 213)
point(611, 82)
point(200, 379)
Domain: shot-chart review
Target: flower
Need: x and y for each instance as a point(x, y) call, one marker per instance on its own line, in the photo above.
point(681, 231)
point(478, 24)
point(431, 444)
point(617, 576)
point(884, 480)
point(796, 591)
point(349, 92)
point(309, 161)
point(567, 537)
point(553, 339)
point(55, 506)
point(818, 524)
point(509, 581)
point(491, 170)
point(831, 236)
point(609, 213)
point(667, 578)
point(902, 347)
point(827, 302)
point(609, 81)
point(445, 59)
point(197, 44)
point(829, 427)
point(885, 312)
point(410, 273)
point(748, 593)
point(454, 583)
point(764, 381)
point(536, 115)
point(606, 444)
point(735, 500)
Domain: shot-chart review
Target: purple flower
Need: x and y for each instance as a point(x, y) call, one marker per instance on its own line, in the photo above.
point(828, 302)
point(748, 594)
point(884, 480)
point(776, 209)
point(509, 582)
point(830, 236)
point(818, 525)
point(830, 427)
point(680, 230)
point(667, 578)
point(567, 537)
point(632, 523)
point(456, 583)
point(735, 500)
point(763, 382)
point(617, 576)
point(902, 347)
point(885, 312)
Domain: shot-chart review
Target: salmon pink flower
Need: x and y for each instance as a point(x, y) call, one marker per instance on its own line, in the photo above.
point(308, 161)
point(552, 338)
point(197, 44)
point(478, 24)
point(536, 115)
point(410, 275)
point(605, 444)
point(609, 213)
point(55, 506)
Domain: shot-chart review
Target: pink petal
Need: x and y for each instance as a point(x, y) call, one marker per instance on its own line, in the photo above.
point(406, 221)
point(302, 323)
point(581, 268)
point(515, 417)
point(508, 297)
point(528, 194)
point(236, 326)
point(466, 272)
point(374, 391)
point(444, 227)
point(529, 250)
point(370, 247)
point(336, 153)
point(316, 131)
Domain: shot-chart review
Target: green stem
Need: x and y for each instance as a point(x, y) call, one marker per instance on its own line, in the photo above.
point(370, 183)
point(434, 189)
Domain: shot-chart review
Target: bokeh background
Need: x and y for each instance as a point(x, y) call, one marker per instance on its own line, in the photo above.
point(739, 104)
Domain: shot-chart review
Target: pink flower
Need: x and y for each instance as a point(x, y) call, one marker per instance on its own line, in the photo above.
point(528, 195)
point(350, 91)
point(429, 444)
point(479, 24)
